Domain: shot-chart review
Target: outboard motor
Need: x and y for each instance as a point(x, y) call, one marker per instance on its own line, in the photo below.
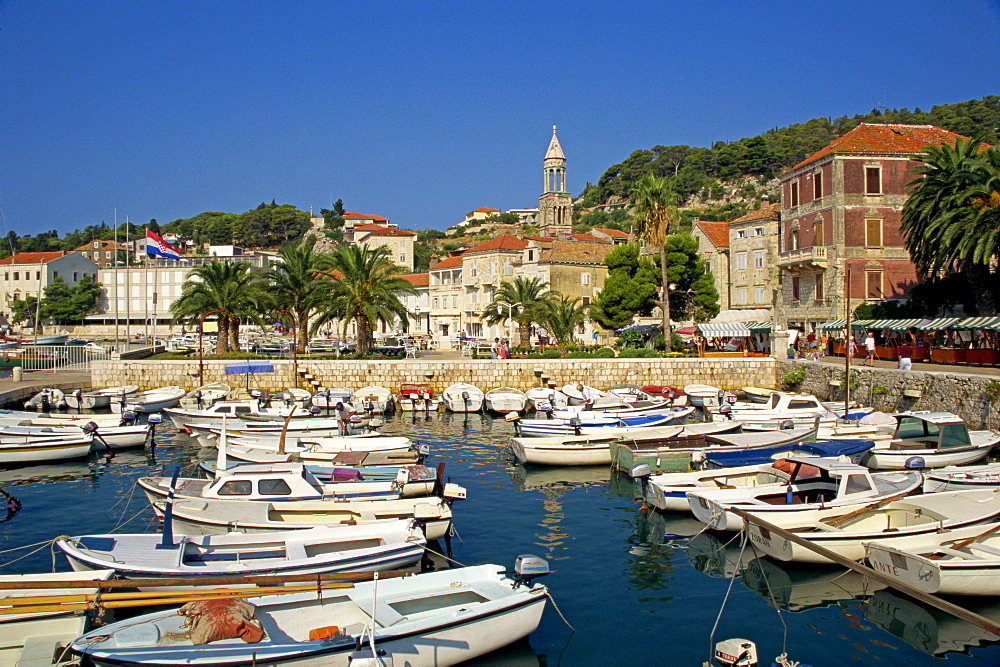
point(915, 463)
point(640, 473)
point(288, 400)
point(736, 653)
point(576, 424)
point(721, 397)
point(731, 399)
point(78, 394)
point(527, 568)
point(46, 403)
point(315, 410)
point(726, 411)
point(128, 418)
point(197, 398)
point(787, 424)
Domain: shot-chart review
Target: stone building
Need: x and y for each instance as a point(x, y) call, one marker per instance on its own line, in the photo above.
point(713, 246)
point(445, 293)
point(418, 305)
point(556, 203)
point(102, 252)
point(840, 211)
point(753, 258)
point(399, 242)
point(29, 273)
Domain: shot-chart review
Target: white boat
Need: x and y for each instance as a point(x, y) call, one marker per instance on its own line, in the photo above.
point(702, 395)
point(931, 440)
point(373, 399)
point(114, 437)
point(242, 408)
point(957, 478)
point(463, 398)
point(283, 482)
point(541, 398)
point(964, 561)
point(903, 521)
point(344, 459)
point(820, 488)
point(204, 396)
point(660, 406)
point(757, 394)
point(436, 618)
point(361, 548)
point(587, 450)
point(153, 400)
point(780, 406)
point(597, 425)
point(599, 400)
point(629, 392)
point(27, 449)
point(210, 516)
point(668, 491)
point(47, 340)
point(32, 638)
point(417, 397)
point(505, 400)
point(99, 398)
point(287, 398)
point(328, 398)
point(264, 435)
point(47, 399)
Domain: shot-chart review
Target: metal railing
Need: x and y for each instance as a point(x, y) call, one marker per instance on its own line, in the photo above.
point(59, 357)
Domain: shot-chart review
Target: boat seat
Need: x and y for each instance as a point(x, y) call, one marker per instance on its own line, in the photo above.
point(985, 548)
point(908, 444)
point(42, 650)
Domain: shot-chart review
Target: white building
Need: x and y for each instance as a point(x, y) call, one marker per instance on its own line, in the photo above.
point(29, 273)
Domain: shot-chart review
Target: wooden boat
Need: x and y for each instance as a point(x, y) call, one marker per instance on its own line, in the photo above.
point(205, 396)
point(99, 398)
point(241, 409)
point(668, 491)
point(688, 450)
point(852, 450)
point(344, 459)
point(595, 425)
point(963, 561)
point(210, 516)
point(673, 394)
point(283, 482)
point(781, 405)
point(47, 399)
point(46, 340)
point(888, 523)
point(757, 394)
point(599, 400)
point(633, 409)
point(505, 400)
point(463, 398)
point(629, 392)
point(373, 399)
point(931, 440)
point(956, 478)
point(819, 488)
point(439, 618)
point(361, 548)
point(573, 451)
point(417, 397)
point(33, 638)
point(26, 449)
point(114, 437)
point(153, 400)
point(22, 418)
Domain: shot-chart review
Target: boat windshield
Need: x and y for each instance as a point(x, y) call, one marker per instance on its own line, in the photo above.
point(911, 428)
point(954, 435)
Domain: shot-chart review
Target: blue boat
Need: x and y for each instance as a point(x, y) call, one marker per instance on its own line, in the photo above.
point(546, 427)
point(853, 449)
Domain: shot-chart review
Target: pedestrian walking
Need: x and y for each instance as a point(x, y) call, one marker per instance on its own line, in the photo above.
point(905, 357)
point(870, 349)
point(852, 347)
point(824, 342)
point(495, 348)
point(504, 351)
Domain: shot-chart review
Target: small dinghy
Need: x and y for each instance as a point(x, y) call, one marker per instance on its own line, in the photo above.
point(674, 395)
point(328, 398)
point(541, 399)
point(702, 395)
point(289, 398)
point(594, 425)
point(902, 521)
point(463, 398)
point(344, 459)
point(417, 397)
point(963, 561)
point(99, 398)
point(957, 478)
point(153, 400)
point(242, 408)
point(362, 548)
point(819, 488)
point(435, 618)
point(18, 449)
point(853, 450)
point(587, 450)
point(105, 437)
point(931, 440)
point(373, 399)
point(205, 396)
point(505, 400)
point(668, 491)
point(757, 394)
point(47, 399)
point(578, 394)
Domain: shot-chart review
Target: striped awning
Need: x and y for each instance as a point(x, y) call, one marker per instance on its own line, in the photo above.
point(723, 329)
point(759, 327)
point(940, 323)
point(861, 324)
point(881, 324)
point(985, 322)
point(906, 325)
point(833, 325)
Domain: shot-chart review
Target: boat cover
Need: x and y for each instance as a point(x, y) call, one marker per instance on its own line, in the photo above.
point(244, 367)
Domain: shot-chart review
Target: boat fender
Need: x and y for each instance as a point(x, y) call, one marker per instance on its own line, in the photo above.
point(915, 463)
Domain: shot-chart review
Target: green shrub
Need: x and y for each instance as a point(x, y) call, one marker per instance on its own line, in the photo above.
point(604, 353)
point(879, 390)
point(992, 390)
point(550, 354)
point(853, 382)
point(629, 340)
point(792, 379)
point(637, 353)
point(580, 354)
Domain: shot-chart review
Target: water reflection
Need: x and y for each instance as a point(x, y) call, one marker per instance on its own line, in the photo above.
point(798, 589)
point(716, 557)
point(928, 629)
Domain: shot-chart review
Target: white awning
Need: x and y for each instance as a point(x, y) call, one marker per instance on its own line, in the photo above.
point(723, 330)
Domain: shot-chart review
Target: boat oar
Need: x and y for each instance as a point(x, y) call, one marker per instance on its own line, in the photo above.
point(842, 518)
point(967, 542)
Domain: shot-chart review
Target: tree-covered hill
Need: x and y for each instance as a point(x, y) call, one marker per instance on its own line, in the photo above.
point(696, 170)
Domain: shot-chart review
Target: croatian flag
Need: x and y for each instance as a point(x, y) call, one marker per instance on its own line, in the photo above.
point(155, 245)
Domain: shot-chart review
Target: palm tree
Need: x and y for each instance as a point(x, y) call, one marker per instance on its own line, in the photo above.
point(946, 219)
point(519, 301)
point(299, 283)
point(365, 291)
point(561, 316)
point(655, 214)
point(227, 287)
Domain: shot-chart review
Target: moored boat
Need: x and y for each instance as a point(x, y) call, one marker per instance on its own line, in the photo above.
point(463, 397)
point(504, 400)
point(152, 400)
point(931, 440)
point(373, 399)
point(956, 478)
point(702, 395)
point(757, 394)
point(417, 397)
point(573, 450)
point(99, 398)
point(25, 449)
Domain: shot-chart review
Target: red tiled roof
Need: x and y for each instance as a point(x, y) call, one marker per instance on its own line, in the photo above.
point(485, 209)
point(882, 138)
point(379, 230)
point(576, 252)
point(505, 242)
point(613, 233)
point(86, 247)
point(585, 237)
point(34, 257)
point(417, 279)
point(717, 232)
point(543, 239)
point(766, 213)
point(448, 263)
point(351, 215)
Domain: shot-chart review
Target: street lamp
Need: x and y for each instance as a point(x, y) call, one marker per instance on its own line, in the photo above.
point(510, 318)
point(295, 347)
point(201, 346)
point(416, 316)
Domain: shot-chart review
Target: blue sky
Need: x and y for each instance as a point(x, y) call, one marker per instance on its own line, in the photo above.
point(421, 112)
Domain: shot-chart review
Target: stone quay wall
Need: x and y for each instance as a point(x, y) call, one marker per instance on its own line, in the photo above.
point(891, 390)
point(486, 374)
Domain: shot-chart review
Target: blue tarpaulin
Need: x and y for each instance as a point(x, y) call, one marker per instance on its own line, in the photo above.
point(244, 367)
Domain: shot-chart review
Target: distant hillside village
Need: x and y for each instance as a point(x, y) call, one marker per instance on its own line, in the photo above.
point(785, 260)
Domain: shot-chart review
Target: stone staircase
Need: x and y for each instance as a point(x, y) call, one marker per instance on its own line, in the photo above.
point(310, 379)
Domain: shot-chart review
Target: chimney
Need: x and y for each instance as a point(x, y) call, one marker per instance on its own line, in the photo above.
point(765, 201)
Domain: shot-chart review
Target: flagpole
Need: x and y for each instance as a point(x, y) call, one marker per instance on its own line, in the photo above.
point(128, 286)
point(145, 284)
point(152, 341)
point(117, 284)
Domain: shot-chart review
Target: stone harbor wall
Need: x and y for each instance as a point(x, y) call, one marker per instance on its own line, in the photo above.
point(486, 374)
point(891, 390)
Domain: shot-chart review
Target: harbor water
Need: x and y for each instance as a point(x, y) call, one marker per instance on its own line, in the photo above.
point(640, 588)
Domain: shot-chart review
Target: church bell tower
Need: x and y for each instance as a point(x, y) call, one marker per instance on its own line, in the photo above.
point(555, 204)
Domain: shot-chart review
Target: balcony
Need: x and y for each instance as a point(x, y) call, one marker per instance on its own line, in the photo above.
point(803, 258)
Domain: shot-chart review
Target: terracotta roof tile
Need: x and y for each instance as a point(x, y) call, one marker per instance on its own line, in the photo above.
point(613, 233)
point(585, 237)
point(448, 263)
point(505, 242)
point(882, 138)
point(486, 209)
point(576, 252)
point(352, 215)
point(766, 213)
point(417, 279)
point(34, 257)
point(379, 230)
point(717, 232)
